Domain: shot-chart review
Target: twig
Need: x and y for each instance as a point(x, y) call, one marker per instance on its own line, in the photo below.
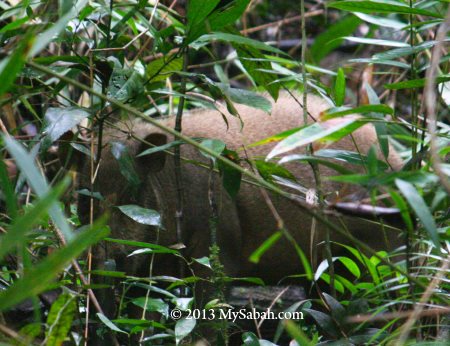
point(11, 333)
point(396, 315)
point(272, 304)
point(430, 101)
point(177, 160)
point(280, 22)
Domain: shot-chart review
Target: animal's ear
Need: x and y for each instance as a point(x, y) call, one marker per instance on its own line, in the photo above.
point(150, 156)
point(69, 157)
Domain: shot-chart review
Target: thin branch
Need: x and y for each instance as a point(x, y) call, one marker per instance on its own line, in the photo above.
point(430, 101)
point(281, 22)
point(397, 315)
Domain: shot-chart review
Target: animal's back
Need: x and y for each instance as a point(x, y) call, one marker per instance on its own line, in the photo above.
point(255, 222)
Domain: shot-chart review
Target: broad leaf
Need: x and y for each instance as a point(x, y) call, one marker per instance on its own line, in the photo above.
point(60, 120)
point(183, 327)
point(141, 215)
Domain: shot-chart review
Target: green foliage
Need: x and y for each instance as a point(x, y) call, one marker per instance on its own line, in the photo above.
point(59, 320)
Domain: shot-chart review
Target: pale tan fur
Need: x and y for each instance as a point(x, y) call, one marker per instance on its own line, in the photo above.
point(246, 222)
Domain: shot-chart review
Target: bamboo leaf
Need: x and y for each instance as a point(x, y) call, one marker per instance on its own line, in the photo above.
point(59, 319)
point(39, 277)
point(36, 180)
point(420, 208)
point(339, 88)
point(380, 7)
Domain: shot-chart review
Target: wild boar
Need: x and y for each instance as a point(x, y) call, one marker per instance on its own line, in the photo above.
point(244, 222)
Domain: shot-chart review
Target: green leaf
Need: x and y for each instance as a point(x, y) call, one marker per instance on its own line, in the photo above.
point(338, 286)
point(183, 327)
point(198, 10)
point(126, 164)
point(266, 245)
point(155, 247)
point(160, 148)
point(401, 52)
point(231, 177)
point(141, 215)
point(227, 15)
point(108, 273)
point(365, 261)
point(215, 145)
point(16, 24)
point(381, 21)
point(346, 156)
point(339, 88)
point(237, 39)
point(275, 138)
point(324, 321)
point(161, 69)
point(60, 120)
point(107, 322)
point(250, 339)
point(23, 224)
point(327, 41)
point(351, 266)
point(254, 64)
point(217, 20)
point(380, 7)
point(37, 181)
point(48, 60)
point(403, 207)
point(376, 42)
point(313, 133)
point(380, 127)
point(337, 309)
point(420, 208)
point(297, 333)
point(49, 35)
point(306, 265)
point(125, 84)
point(306, 158)
point(12, 65)
point(38, 278)
point(381, 62)
point(415, 83)
point(59, 319)
point(152, 304)
point(341, 111)
point(7, 190)
point(247, 97)
point(268, 169)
